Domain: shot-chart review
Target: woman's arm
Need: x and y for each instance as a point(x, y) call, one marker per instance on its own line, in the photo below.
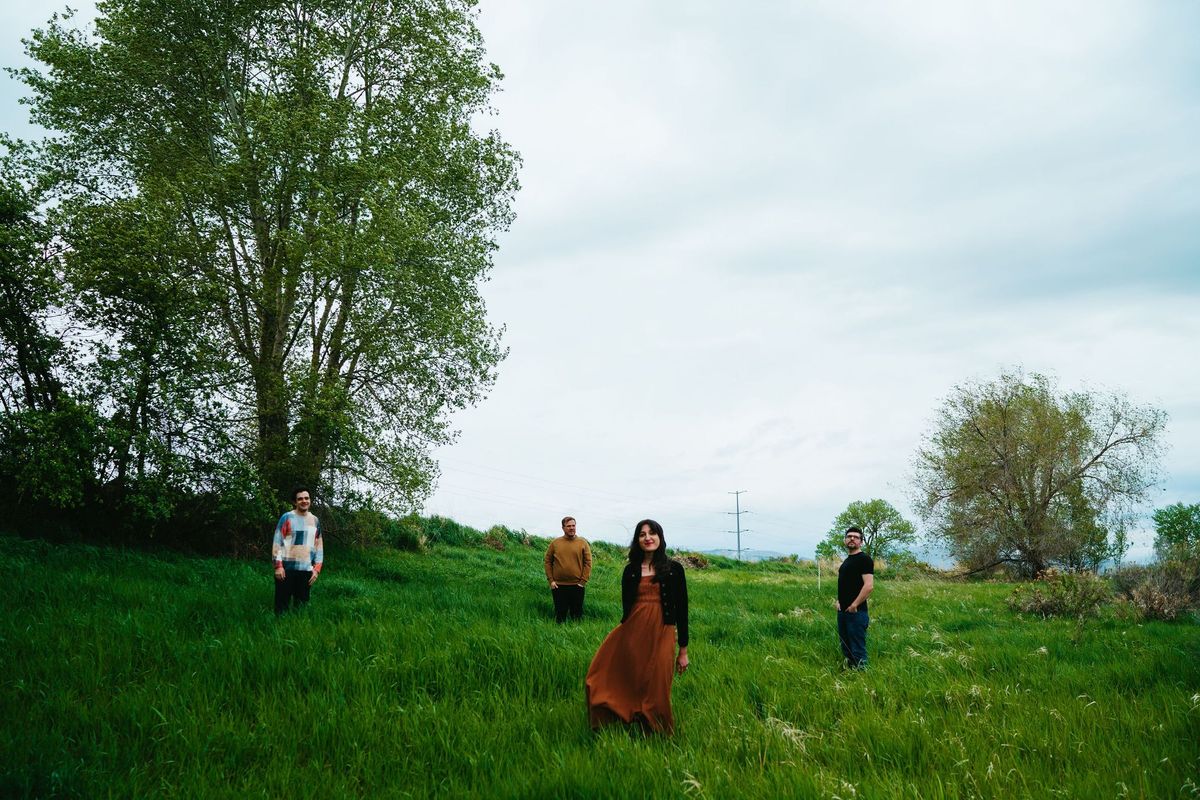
point(681, 620)
point(681, 605)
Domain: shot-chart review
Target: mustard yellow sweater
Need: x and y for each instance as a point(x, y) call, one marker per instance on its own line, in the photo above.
point(569, 561)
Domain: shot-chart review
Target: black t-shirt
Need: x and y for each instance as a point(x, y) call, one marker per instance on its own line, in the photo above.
point(850, 578)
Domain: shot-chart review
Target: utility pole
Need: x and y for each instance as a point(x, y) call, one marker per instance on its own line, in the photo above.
point(737, 514)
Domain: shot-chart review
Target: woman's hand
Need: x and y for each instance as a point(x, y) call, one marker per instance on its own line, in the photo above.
point(681, 663)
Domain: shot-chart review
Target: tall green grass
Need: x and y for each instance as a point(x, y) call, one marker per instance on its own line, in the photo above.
point(129, 674)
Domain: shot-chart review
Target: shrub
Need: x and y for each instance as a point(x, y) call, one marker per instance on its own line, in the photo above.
point(1161, 591)
point(693, 560)
point(496, 537)
point(1061, 594)
point(242, 501)
point(511, 536)
point(1152, 602)
point(903, 565)
point(367, 526)
point(443, 530)
point(1128, 578)
point(47, 457)
point(405, 534)
point(829, 566)
point(605, 552)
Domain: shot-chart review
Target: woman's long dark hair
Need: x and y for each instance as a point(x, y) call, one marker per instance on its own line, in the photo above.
point(660, 562)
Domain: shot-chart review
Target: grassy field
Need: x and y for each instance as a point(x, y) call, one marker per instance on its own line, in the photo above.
point(128, 674)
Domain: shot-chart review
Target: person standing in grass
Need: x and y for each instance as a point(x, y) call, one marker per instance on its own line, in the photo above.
point(568, 568)
point(297, 551)
point(856, 580)
point(630, 677)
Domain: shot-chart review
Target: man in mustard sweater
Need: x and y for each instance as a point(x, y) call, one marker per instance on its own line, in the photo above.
point(568, 567)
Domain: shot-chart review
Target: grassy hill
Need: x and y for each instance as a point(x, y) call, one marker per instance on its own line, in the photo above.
point(129, 674)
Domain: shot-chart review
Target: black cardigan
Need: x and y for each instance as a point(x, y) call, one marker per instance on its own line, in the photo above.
point(672, 589)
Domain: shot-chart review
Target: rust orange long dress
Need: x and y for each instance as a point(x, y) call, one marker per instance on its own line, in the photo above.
point(630, 677)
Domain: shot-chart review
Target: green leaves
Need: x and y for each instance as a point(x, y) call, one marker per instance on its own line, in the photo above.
point(30, 293)
point(885, 530)
point(1015, 472)
point(302, 189)
point(1177, 531)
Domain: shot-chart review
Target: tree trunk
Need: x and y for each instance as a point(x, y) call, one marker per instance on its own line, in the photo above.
point(274, 456)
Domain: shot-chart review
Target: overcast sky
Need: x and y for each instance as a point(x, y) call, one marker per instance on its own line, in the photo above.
point(756, 250)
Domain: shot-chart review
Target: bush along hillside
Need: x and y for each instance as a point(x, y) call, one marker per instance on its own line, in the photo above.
point(433, 669)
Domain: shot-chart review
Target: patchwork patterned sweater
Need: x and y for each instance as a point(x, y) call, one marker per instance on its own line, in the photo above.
point(297, 544)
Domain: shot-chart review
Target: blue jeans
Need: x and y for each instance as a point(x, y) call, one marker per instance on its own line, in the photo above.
point(852, 630)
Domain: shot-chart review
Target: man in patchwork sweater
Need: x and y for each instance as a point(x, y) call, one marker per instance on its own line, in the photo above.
point(568, 567)
point(297, 551)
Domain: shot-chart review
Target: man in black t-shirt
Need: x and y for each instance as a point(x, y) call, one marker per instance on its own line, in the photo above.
point(856, 579)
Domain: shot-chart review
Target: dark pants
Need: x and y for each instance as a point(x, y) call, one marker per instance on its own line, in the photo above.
point(568, 601)
point(852, 630)
point(294, 586)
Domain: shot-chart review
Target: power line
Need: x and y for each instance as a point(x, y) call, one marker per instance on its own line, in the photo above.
point(598, 503)
point(531, 481)
point(737, 514)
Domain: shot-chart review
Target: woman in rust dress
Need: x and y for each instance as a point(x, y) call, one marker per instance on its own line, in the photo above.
point(630, 677)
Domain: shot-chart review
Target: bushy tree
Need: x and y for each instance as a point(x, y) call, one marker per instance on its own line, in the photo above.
point(1092, 543)
point(302, 188)
point(1177, 531)
point(48, 440)
point(1016, 472)
point(31, 294)
point(885, 530)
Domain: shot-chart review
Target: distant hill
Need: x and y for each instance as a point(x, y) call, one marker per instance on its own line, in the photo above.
point(747, 555)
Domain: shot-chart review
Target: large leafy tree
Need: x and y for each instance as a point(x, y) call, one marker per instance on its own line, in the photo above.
point(1016, 472)
point(106, 388)
point(885, 530)
point(1177, 531)
point(310, 175)
point(151, 371)
point(48, 441)
point(1093, 540)
point(30, 295)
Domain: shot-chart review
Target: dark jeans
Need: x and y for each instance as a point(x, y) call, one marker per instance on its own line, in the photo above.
point(852, 630)
point(568, 601)
point(294, 586)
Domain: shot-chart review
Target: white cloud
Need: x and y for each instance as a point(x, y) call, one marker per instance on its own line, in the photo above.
point(755, 249)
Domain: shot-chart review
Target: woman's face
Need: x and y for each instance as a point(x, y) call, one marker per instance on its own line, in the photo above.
point(647, 539)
